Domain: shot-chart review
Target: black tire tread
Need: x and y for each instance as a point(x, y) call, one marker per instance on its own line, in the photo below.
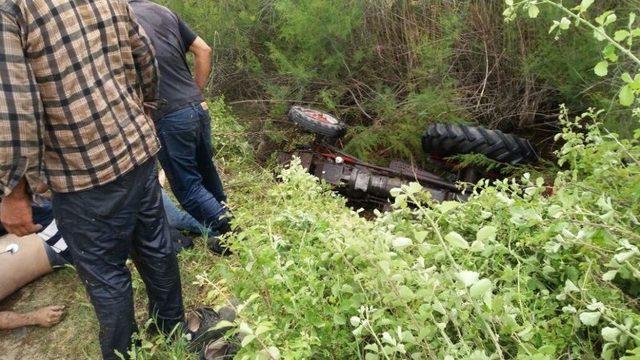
point(449, 140)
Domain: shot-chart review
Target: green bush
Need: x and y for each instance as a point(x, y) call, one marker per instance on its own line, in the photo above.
point(395, 66)
point(513, 273)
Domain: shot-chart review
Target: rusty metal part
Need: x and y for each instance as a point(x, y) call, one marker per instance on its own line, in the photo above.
point(361, 181)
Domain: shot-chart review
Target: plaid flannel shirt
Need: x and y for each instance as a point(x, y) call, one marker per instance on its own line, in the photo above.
point(74, 76)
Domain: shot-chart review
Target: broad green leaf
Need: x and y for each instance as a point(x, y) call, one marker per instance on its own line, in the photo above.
point(609, 275)
point(414, 188)
point(395, 192)
point(401, 243)
point(610, 19)
point(610, 53)
point(487, 234)
point(527, 333)
point(533, 11)
point(610, 334)
point(627, 97)
point(371, 356)
point(480, 288)
point(477, 246)
point(456, 240)
point(387, 338)
point(585, 4)
point(261, 329)
point(570, 287)
point(606, 18)
point(222, 324)
point(590, 318)
point(555, 211)
point(244, 328)
point(371, 347)
point(446, 206)
point(468, 278)
point(599, 34)
point(357, 331)
point(596, 306)
point(274, 353)
point(247, 340)
point(355, 321)
point(405, 293)
point(600, 19)
point(420, 236)
point(626, 77)
point(602, 68)
point(621, 35)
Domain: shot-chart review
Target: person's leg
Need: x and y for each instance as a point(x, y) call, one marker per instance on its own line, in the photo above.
point(31, 261)
point(24, 266)
point(210, 176)
point(179, 219)
point(98, 226)
point(179, 133)
point(155, 258)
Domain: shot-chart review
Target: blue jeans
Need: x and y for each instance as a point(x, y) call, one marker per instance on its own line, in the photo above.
point(179, 219)
point(187, 158)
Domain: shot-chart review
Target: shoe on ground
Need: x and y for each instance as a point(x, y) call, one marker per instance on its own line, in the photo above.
point(216, 244)
point(180, 241)
point(203, 325)
point(220, 349)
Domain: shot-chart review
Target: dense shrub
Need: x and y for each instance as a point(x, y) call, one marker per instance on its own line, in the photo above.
point(512, 273)
point(390, 67)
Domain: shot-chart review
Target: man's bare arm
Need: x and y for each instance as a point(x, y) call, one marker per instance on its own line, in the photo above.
point(203, 57)
point(45, 317)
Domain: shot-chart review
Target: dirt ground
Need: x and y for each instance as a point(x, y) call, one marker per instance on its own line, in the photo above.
point(76, 334)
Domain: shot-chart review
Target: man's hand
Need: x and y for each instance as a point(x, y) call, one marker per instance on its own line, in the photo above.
point(16, 214)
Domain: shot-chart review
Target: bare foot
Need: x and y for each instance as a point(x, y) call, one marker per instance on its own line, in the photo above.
point(48, 316)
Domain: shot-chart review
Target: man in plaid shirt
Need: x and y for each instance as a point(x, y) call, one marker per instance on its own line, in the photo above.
point(74, 76)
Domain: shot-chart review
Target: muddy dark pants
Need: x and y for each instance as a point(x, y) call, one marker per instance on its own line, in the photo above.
point(103, 226)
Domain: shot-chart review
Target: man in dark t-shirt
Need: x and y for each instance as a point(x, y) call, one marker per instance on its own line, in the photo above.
point(182, 118)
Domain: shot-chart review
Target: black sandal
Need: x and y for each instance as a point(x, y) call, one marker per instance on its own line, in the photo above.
point(220, 349)
point(208, 329)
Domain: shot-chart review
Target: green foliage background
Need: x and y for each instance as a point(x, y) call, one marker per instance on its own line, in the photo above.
point(391, 67)
point(523, 270)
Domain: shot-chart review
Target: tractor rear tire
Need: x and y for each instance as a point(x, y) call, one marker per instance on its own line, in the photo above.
point(448, 140)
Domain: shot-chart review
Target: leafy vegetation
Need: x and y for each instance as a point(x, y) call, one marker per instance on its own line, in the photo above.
point(391, 67)
point(522, 270)
point(512, 273)
point(528, 268)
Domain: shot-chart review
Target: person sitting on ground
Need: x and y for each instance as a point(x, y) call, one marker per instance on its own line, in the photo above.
point(25, 259)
